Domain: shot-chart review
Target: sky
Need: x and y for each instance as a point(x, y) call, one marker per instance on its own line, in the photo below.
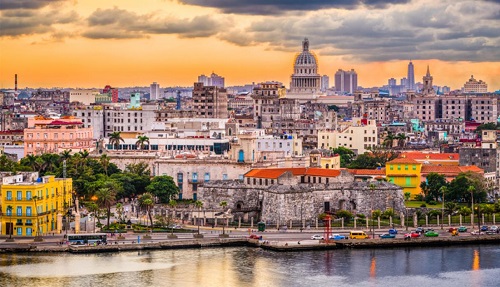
point(123, 43)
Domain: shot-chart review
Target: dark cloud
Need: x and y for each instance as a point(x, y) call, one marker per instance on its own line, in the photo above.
point(423, 30)
point(25, 4)
point(122, 24)
point(20, 22)
point(275, 7)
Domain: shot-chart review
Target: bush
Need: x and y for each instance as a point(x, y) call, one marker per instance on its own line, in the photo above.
point(419, 197)
point(423, 205)
point(432, 202)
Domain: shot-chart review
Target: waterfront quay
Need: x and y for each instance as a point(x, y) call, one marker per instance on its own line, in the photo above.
point(269, 240)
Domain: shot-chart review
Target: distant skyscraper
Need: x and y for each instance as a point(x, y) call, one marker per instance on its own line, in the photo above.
point(346, 81)
point(213, 80)
point(154, 91)
point(391, 82)
point(404, 82)
point(325, 83)
point(411, 77)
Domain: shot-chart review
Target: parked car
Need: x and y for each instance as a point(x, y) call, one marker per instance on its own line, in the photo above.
point(451, 229)
point(419, 230)
point(387, 235)
point(412, 234)
point(317, 237)
point(476, 232)
point(431, 233)
point(494, 228)
point(393, 231)
point(254, 236)
point(462, 229)
point(491, 232)
point(484, 228)
point(337, 237)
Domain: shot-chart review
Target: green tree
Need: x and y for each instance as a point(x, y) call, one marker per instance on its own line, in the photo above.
point(432, 186)
point(345, 214)
point(407, 196)
point(115, 138)
point(450, 208)
point(389, 140)
point(106, 197)
point(389, 212)
point(486, 126)
point(163, 187)
point(346, 155)
point(146, 201)
point(464, 211)
point(401, 137)
point(460, 188)
point(377, 158)
point(141, 140)
point(140, 168)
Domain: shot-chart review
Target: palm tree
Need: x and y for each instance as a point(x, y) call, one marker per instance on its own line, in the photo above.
point(199, 205)
point(106, 198)
point(389, 139)
point(31, 161)
point(11, 230)
point(223, 204)
point(65, 155)
point(115, 138)
point(401, 140)
point(147, 202)
point(84, 154)
point(104, 159)
point(141, 140)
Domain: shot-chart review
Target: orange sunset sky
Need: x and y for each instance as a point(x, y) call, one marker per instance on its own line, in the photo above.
point(91, 43)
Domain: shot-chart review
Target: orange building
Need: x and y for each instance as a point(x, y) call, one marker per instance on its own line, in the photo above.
point(47, 135)
point(432, 158)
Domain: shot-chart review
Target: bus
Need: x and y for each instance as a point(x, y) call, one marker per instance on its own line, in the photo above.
point(87, 238)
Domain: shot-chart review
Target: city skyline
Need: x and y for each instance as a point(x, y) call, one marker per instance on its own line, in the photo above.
point(126, 43)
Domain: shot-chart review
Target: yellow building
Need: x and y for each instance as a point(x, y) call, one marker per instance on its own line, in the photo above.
point(33, 205)
point(406, 173)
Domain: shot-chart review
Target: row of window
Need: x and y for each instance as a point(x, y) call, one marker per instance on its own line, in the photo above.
point(391, 167)
point(56, 135)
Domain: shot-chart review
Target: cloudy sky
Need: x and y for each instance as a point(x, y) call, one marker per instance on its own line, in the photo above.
point(91, 43)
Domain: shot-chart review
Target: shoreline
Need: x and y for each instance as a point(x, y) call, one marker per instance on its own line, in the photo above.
point(276, 246)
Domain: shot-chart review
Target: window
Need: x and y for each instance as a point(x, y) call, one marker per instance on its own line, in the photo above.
point(28, 211)
point(391, 167)
point(408, 181)
point(207, 177)
point(399, 167)
point(179, 177)
point(28, 195)
point(195, 177)
point(9, 195)
point(29, 231)
point(19, 211)
point(19, 231)
point(19, 195)
point(414, 167)
point(406, 167)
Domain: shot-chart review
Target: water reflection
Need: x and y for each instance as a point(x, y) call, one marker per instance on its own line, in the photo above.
point(256, 267)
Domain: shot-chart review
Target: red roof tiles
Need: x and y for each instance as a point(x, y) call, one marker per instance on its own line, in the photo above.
point(274, 173)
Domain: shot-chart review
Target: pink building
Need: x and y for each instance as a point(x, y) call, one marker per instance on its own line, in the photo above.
point(47, 135)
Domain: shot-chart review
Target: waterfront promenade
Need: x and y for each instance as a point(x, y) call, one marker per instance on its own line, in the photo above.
point(274, 240)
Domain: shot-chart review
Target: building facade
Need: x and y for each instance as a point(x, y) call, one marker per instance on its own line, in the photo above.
point(305, 80)
point(210, 101)
point(475, 86)
point(346, 81)
point(32, 205)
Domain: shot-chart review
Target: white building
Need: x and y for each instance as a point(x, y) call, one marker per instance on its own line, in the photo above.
point(154, 91)
point(85, 96)
point(475, 86)
point(359, 137)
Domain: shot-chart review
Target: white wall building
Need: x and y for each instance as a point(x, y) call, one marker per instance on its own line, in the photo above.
point(85, 96)
point(154, 91)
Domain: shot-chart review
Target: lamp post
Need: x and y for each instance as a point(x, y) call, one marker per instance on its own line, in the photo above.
point(372, 188)
point(94, 200)
point(443, 190)
point(471, 189)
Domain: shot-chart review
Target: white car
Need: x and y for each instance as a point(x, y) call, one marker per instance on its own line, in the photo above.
point(494, 228)
point(317, 237)
point(476, 232)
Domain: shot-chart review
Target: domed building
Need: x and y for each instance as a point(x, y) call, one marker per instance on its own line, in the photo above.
point(305, 82)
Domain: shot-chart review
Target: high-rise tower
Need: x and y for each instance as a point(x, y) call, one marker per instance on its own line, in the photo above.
point(410, 84)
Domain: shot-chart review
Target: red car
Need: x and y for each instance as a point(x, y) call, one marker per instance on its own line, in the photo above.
point(451, 229)
point(412, 234)
point(254, 236)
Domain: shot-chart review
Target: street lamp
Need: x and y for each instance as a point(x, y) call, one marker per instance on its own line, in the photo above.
point(94, 199)
point(443, 190)
point(471, 189)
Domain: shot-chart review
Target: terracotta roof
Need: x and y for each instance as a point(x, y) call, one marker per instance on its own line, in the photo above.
point(450, 170)
point(403, 160)
point(367, 171)
point(430, 156)
point(274, 173)
point(59, 122)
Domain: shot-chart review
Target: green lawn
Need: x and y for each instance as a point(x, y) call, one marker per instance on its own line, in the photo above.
point(416, 204)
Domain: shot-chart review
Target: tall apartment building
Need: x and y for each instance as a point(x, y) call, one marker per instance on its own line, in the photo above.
point(37, 205)
point(346, 81)
point(209, 101)
point(475, 86)
point(266, 106)
point(154, 91)
point(47, 135)
point(410, 83)
point(113, 93)
point(213, 80)
point(325, 83)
